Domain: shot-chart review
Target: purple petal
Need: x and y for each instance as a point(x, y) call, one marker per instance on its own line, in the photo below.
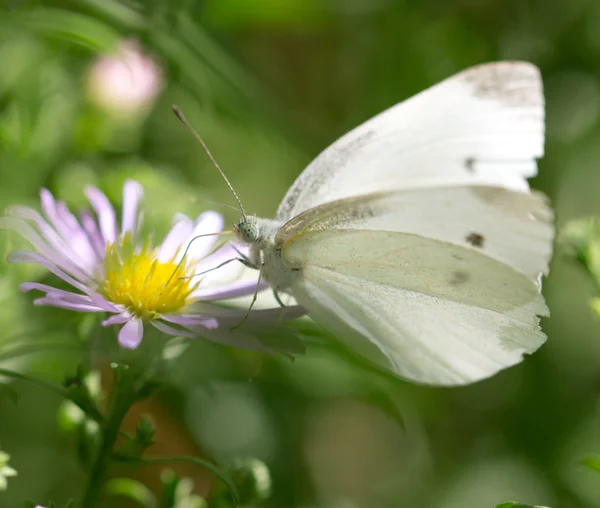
point(169, 330)
point(117, 319)
point(186, 320)
point(105, 213)
point(237, 339)
point(98, 300)
point(78, 239)
point(206, 223)
point(287, 313)
point(94, 236)
point(131, 333)
point(132, 195)
point(224, 292)
point(227, 251)
point(23, 256)
point(227, 273)
point(57, 302)
point(49, 207)
point(77, 249)
point(58, 258)
point(52, 291)
point(175, 239)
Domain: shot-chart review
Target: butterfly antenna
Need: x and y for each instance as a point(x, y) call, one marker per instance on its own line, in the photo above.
point(225, 204)
point(179, 114)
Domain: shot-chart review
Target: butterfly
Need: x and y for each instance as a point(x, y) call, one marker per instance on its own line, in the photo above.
point(415, 238)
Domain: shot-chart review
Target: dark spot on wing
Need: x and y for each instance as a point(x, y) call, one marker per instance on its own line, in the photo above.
point(470, 164)
point(475, 239)
point(459, 277)
point(456, 256)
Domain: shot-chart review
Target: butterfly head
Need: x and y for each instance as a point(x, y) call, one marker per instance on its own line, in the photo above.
point(247, 229)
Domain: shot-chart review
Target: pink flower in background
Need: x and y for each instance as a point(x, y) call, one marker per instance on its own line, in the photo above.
point(111, 270)
point(126, 82)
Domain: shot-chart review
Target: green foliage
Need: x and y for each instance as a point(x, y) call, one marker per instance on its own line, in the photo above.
point(178, 492)
point(135, 446)
point(582, 237)
point(592, 463)
point(512, 504)
point(252, 479)
point(269, 84)
point(132, 489)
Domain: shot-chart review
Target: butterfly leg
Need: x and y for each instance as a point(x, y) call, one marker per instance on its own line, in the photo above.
point(260, 272)
point(278, 299)
point(281, 304)
point(243, 256)
point(243, 260)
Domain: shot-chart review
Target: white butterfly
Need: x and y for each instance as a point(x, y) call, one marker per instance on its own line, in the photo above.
point(415, 238)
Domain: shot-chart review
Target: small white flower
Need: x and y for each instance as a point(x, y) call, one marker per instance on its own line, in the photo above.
point(5, 470)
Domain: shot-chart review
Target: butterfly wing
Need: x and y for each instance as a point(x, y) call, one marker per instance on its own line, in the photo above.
point(484, 125)
point(514, 227)
point(426, 310)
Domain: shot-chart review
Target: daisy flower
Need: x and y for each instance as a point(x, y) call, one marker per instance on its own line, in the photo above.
point(111, 270)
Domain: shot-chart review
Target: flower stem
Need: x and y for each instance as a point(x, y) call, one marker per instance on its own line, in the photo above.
point(121, 400)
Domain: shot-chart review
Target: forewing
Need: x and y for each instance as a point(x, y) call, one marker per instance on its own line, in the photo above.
point(429, 311)
point(515, 227)
point(484, 125)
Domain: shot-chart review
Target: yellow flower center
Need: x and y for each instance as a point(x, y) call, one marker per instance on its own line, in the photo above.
point(142, 283)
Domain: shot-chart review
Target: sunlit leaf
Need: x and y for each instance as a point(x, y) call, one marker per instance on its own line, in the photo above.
point(593, 463)
point(131, 489)
point(10, 393)
point(73, 27)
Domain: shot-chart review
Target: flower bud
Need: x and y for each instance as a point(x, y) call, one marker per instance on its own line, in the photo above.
point(252, 479)
point(125, 83)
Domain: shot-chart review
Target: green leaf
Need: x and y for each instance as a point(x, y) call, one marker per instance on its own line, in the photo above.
point(10, 392)
point(514, 504)
point(131, 489)
point(386, 403)
point(73, 27)
point(20, 347)
point(86, 326)
point(582, 239)
point(174, 348)
point(593, 463)
point(88, 407)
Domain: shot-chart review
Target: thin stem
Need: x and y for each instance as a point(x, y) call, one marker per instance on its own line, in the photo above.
point(121, 401)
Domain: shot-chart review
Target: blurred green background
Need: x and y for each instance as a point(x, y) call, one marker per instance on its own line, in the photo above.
point(270, 83)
